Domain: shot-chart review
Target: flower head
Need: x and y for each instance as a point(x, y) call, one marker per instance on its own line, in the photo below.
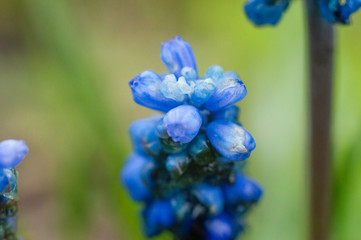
point(184, 163)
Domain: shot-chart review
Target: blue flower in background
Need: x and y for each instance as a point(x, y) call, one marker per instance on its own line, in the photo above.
point(336, 11)
point(263, 12)
point(269, 12)
point(186, 161)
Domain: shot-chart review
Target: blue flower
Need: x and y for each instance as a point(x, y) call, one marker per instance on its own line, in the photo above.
point(143, 135)
point(158, 216)
point(185, 161)
point(146, 92)
point(12, 153)
point(336, 12)
point(210, 196)
point(183, 123)
point(243, 190)
point(177, 54)
point(227, 93)
point(262, 12)
point(220, 227)
point(134, 175)
point(231, 140)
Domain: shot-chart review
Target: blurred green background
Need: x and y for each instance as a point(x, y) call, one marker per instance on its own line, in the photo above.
point(64, 72)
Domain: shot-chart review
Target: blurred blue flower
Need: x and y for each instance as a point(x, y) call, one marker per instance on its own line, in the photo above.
point(220, 227)
point(231, 140)
point(210, 196)
point(158, 216)
point(336, 11)
point(134, 175)
point(12, 152)
point(262, 12)
point(243, 190)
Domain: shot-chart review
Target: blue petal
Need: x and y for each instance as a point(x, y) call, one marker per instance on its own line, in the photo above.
point(177, 54)
point(229, 113)
point(219, 228)
point(230, 140)
point(134, 176)
point(146, 92)
point(244, 190)
point(227, 93)
point(183, 123)
point(12, 152)
point(210, 196)
point(143, 135)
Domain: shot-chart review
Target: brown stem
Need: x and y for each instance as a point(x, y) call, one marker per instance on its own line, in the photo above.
point(321, 49)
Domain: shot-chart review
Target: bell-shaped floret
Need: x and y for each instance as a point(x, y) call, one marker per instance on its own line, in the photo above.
point(209, 196)
point(158, 216)
point(262, 12)
point(231, 140)
point(12, 152)
point(183, 123)
point(136, 176)
point(145, 89)
point(143, 135)
point(177, 54)
point(227, 93)
point(220, 227)
point(243, 190)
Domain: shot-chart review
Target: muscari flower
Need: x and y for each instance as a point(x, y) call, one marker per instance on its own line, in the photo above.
point(265, 12)
point(337, 11)
point(185, 161)
point(269, 12)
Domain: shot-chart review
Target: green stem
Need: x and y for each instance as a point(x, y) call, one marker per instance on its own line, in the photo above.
point(321, 48)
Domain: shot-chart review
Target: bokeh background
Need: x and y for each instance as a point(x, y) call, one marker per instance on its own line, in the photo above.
point(64, 72)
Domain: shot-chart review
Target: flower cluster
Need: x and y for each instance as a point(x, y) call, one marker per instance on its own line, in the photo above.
point(262, 12)
point(12, 153)
point(186, 167)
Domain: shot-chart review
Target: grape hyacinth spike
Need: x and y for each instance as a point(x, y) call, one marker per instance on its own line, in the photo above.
point(187, 160)
point(12, 153)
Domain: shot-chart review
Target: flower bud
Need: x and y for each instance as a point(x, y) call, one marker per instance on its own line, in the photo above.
point(227, 93)
point(183, 123)
point(145, 89)
point(243, 190)
point(209, 196)
point(12, 152)
point(177, 54)
point(230, 140)
point(134, 177)
point(143, 135)
point(219, 227)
